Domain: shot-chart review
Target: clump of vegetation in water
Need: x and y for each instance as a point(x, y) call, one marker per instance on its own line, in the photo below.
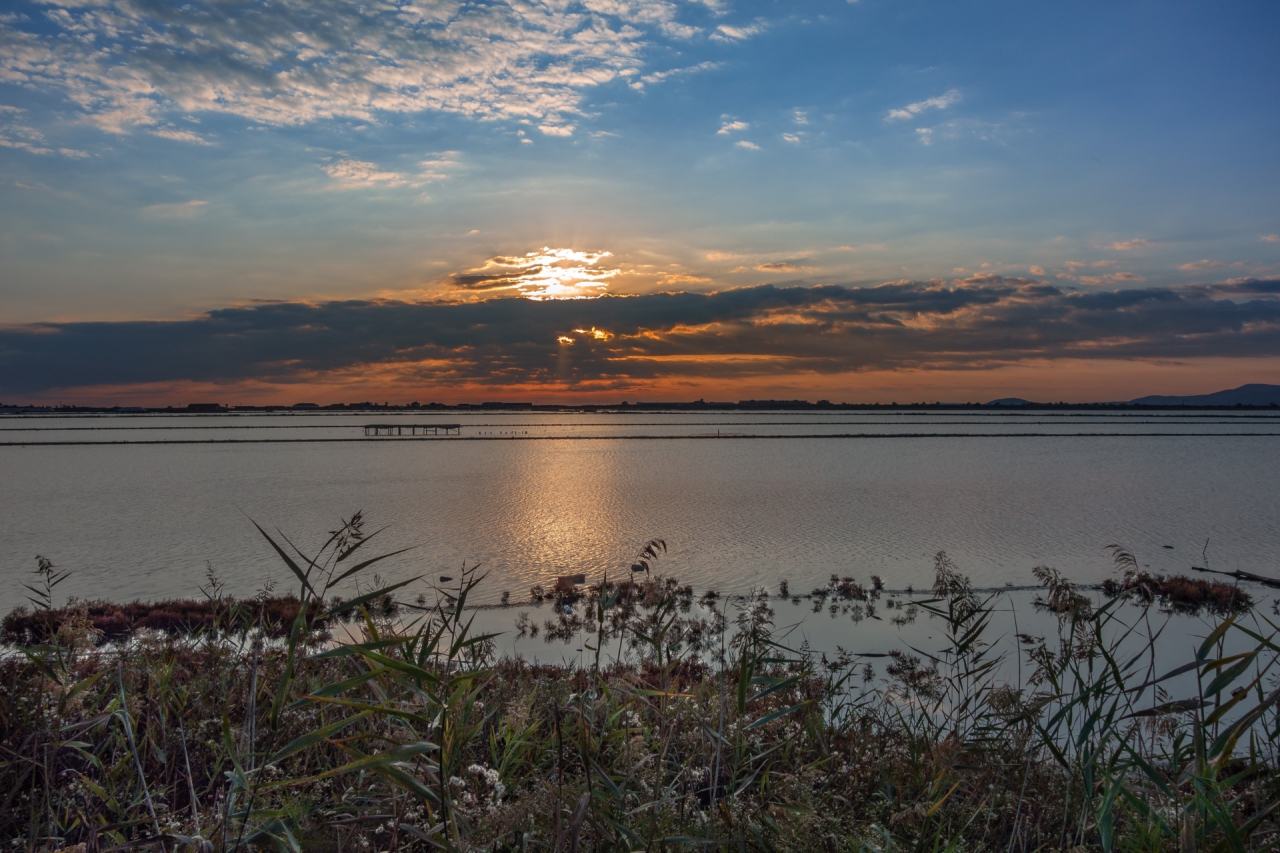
point(108, 621)
point(1179, 594)
point(413, 737)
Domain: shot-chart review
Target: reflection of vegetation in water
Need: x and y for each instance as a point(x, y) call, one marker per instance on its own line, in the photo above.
point(415, 738)
point(635, 608)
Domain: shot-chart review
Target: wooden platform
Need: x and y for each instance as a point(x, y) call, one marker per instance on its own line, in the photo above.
point(397, 430)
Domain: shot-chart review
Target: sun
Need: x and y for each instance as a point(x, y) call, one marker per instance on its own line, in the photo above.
point(543, 275)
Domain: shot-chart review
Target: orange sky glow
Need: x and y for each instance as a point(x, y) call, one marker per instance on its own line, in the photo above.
point(1078, 381)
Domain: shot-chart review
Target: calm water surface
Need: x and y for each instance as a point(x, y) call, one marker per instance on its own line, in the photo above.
point(142, 506)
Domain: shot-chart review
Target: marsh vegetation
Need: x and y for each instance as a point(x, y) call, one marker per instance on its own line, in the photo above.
point(682, 728)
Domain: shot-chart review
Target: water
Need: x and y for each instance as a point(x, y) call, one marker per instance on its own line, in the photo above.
point(142, 506)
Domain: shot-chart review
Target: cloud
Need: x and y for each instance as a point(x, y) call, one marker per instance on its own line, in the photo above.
point(556, 129)
point(176, 210)
point(546, 274)
point(1128, 245)
point(800, 116)
point(21, 136)
point(794, 265)
point(731, 126)
point(350, 173)
point(980, 322)
point(1197, 266)
point(793, 138)
point(726, 33)
point(987, 131)
point(438, 167)
point(1037, 270)
point(750, 146)
point(1237, 287)
point(661, 76)
point(126, 65)
point(656, 13)
point(180, 136)
point(358, 173)
point(1111, 278)
point(941, 102)
point(1270, 238)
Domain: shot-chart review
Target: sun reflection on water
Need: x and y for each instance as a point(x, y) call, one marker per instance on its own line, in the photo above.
point(565, 508)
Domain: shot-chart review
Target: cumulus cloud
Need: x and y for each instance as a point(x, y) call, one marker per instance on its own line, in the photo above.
point(981, 321)
point(556, 129)
point(126, 64)
point(750, 146)
point(1270, 238)
point(941, 102)
point(731, 126)
point(1128, 245)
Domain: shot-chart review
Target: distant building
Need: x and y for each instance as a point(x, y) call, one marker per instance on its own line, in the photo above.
point(306, 405)
point(206, 407)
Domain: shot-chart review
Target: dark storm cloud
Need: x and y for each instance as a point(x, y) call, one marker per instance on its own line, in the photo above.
point(977, 322)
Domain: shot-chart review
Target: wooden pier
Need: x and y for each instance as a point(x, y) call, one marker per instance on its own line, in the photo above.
point(397, 430)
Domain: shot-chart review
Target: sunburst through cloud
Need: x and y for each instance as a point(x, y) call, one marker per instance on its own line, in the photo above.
point(544, 274)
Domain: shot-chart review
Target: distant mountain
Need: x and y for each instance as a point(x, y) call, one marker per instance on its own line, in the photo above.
point(1245, 395)
point(1010, 401)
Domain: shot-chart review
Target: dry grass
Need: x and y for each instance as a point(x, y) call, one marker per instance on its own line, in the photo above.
point(110, 621)
point(1181, 594)
point(703, 734)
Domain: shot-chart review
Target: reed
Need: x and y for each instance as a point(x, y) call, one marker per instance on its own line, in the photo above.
point(677, 732)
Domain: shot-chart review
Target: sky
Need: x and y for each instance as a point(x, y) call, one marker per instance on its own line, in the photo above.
point(269, 202)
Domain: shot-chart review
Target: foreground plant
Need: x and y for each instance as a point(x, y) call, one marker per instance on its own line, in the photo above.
point(679, 732)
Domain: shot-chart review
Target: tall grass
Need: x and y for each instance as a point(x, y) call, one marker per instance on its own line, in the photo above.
point(676, 732)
